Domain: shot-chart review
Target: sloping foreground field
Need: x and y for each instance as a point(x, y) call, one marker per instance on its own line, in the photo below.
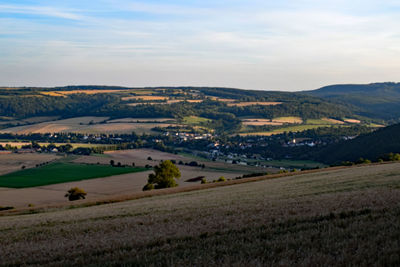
point(343, 216)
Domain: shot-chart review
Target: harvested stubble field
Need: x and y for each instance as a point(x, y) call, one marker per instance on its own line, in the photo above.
point(145, 98)
point(260, 122)
point(337, 217)
point(86, 125)
point(352, 121)
point(87, 92)
point(13, 162)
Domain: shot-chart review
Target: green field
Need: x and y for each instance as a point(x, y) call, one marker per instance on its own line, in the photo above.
point(194, 120)
point(60, 173)
point(294, 128)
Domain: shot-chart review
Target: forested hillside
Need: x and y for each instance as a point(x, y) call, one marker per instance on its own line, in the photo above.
point(377, 100)
point(223, 105)
point(370, 146)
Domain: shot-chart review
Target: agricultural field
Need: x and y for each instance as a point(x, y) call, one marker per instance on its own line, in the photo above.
point(298, 125)
point(60, 172)
point(114, 184)
point(352, 121)
point(30, 120)
point(340, 216)
point(294, 128)
point(167, 102)
point(139, 120)
point(245, 104)
point(260, 122)
point(145, 98)
point(86, 125)
point(194, 120)
point(222, 99)
point(14, 162)
point(87, 92)
point(292, 120)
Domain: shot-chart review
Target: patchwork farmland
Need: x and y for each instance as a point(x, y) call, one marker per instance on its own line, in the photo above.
point(47, 185)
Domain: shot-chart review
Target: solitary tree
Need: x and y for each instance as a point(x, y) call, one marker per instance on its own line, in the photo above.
point(163, 177)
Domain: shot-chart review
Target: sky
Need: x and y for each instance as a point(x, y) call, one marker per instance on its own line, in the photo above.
point(286, 45)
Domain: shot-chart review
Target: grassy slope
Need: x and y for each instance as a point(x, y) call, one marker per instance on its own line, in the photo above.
point(60, 173)
point(337, 217)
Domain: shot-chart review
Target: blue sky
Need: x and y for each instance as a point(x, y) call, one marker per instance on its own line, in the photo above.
point(254, 44)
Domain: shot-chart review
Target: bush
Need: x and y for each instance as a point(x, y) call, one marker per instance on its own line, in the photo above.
point(221, 179)
point(148, 187)
point(203, 181)
point(75, 193)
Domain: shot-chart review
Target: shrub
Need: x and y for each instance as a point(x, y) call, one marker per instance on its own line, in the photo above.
point(148, 187)
point(221, 179)
point(75, 193)
point(203, 181)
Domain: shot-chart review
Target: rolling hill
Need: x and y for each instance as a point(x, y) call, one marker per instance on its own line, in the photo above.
point(376, 100)
point(368, 146)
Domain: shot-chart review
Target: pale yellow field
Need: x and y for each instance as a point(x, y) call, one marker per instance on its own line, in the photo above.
point(88, 92)
point(352, 121)
point(332, 121)
point(260, 122)
point(245, 104)
point(144, 97)
point(222, 99)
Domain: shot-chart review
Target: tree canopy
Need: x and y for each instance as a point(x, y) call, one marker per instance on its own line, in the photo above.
point(164, 176)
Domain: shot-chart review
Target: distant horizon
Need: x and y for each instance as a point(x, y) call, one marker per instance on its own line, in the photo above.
point(194, 86)
point(290, 45)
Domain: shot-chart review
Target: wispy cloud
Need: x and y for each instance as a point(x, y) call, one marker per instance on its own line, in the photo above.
point(40, 10)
